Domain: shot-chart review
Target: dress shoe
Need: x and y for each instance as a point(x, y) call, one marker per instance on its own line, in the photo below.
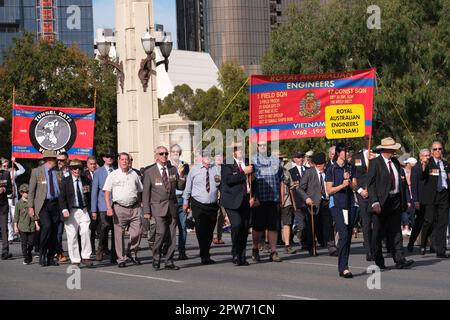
point(122, 264)
point(52, 262)
point(243, 263)
point(6, 256)
point(274, 257)
point(156, 265)
point(135, 260)
point(99, 256)
point(171, 266)
point(442, 255)
point(255, 255)
point(87, 262)
point(42, 260)
point(289, 250)
point(62, 258)
point(235, 260)
point(410, 247)
point(346, 275)
point(402, 264)
point(423, 251)
point(182, 256)
point(208, 261)
point(369, 257)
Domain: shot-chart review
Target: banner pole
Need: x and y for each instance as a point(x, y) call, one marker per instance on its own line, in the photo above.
point(95, 98)
point(13, 180)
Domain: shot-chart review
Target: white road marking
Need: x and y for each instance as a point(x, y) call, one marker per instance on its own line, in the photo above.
point(140, 276)
point(296, 297)
point(324, 264)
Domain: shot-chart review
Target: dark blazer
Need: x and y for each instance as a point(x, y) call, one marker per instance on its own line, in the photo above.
point(379, 182)
point(67, 193)
point(232, 186)
point(417, 183)
point(296, 177)
point(156, 200)
point(5, 182)
point(430, 181)
point(310, 186)
point(360, 169)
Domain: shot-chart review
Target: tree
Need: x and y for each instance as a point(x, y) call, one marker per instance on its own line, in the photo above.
point(207, 106)
point(410, 53)
point(50, 74)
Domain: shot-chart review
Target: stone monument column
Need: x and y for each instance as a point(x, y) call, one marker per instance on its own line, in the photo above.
point(137, 111)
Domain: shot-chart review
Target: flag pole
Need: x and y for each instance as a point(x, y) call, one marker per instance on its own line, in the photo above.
point(13, 180)
point(95, 98)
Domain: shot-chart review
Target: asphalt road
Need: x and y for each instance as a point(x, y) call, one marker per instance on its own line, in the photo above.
point(298, 277)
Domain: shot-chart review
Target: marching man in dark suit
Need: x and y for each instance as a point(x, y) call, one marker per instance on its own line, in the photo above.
point(360, 160)
point(417, 189)
point(235, 198)
point(160, 200)
point(297, 172)
point(73, 203)
point(43, 205)
point(436, 186)
point(387, 199)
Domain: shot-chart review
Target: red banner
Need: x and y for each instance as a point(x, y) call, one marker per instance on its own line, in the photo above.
point(35, 129)
point(295, 104)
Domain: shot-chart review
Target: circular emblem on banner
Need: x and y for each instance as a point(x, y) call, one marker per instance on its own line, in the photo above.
point(53, 130)
point(310, 105)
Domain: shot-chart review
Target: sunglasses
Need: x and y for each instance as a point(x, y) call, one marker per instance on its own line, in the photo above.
point(77, 168)
point(435, 149)
point(61, 160)
point(163, 154)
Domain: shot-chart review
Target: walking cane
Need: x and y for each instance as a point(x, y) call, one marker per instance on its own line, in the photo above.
point(313, 231)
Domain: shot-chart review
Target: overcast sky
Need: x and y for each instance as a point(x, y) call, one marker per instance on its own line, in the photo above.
point(164, 13)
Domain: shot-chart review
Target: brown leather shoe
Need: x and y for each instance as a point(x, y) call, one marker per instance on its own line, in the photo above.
point(274, 257)
point(87, 262)
point(62, 258)
point(99, 256)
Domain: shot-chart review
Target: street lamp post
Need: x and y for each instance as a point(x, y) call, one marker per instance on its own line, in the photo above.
point(149, 43)
point(103, 48)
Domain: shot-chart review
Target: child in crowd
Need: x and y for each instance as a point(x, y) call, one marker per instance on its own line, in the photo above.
point(24, 225)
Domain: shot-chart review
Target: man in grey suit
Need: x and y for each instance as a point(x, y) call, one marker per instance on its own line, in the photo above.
point(98, 206)
point(160, 201)
point(312, 191)
point(43, 205)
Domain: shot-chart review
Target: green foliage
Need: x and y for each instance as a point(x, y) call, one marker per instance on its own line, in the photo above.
point(411, 53)
point(50, 74)
point(206, 106)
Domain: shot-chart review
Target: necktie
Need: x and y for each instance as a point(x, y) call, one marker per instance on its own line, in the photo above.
point(322, 186)
point(110, 170)
point(51, 185)
point(79, 195)
point(165, 179)
point(391, 173)
point(242, 170)
point(439, 182)
point(208, 188)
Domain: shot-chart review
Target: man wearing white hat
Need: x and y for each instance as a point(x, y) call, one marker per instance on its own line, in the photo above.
point(387, 200)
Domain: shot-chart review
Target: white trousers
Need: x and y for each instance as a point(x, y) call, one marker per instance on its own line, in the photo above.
point(78, 219)
point(12, 209)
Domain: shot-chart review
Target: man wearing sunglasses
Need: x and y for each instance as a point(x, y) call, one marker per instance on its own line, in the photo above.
point(160, 201)
point(436, 187)
point(73, 203)
point(98, 206)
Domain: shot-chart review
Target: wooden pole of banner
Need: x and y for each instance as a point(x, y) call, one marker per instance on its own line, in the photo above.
point(95, 98)
point(13, 180)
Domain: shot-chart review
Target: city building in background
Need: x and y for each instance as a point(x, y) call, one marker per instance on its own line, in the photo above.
point(69, 21)
point(236, 30)
point(191, 25)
